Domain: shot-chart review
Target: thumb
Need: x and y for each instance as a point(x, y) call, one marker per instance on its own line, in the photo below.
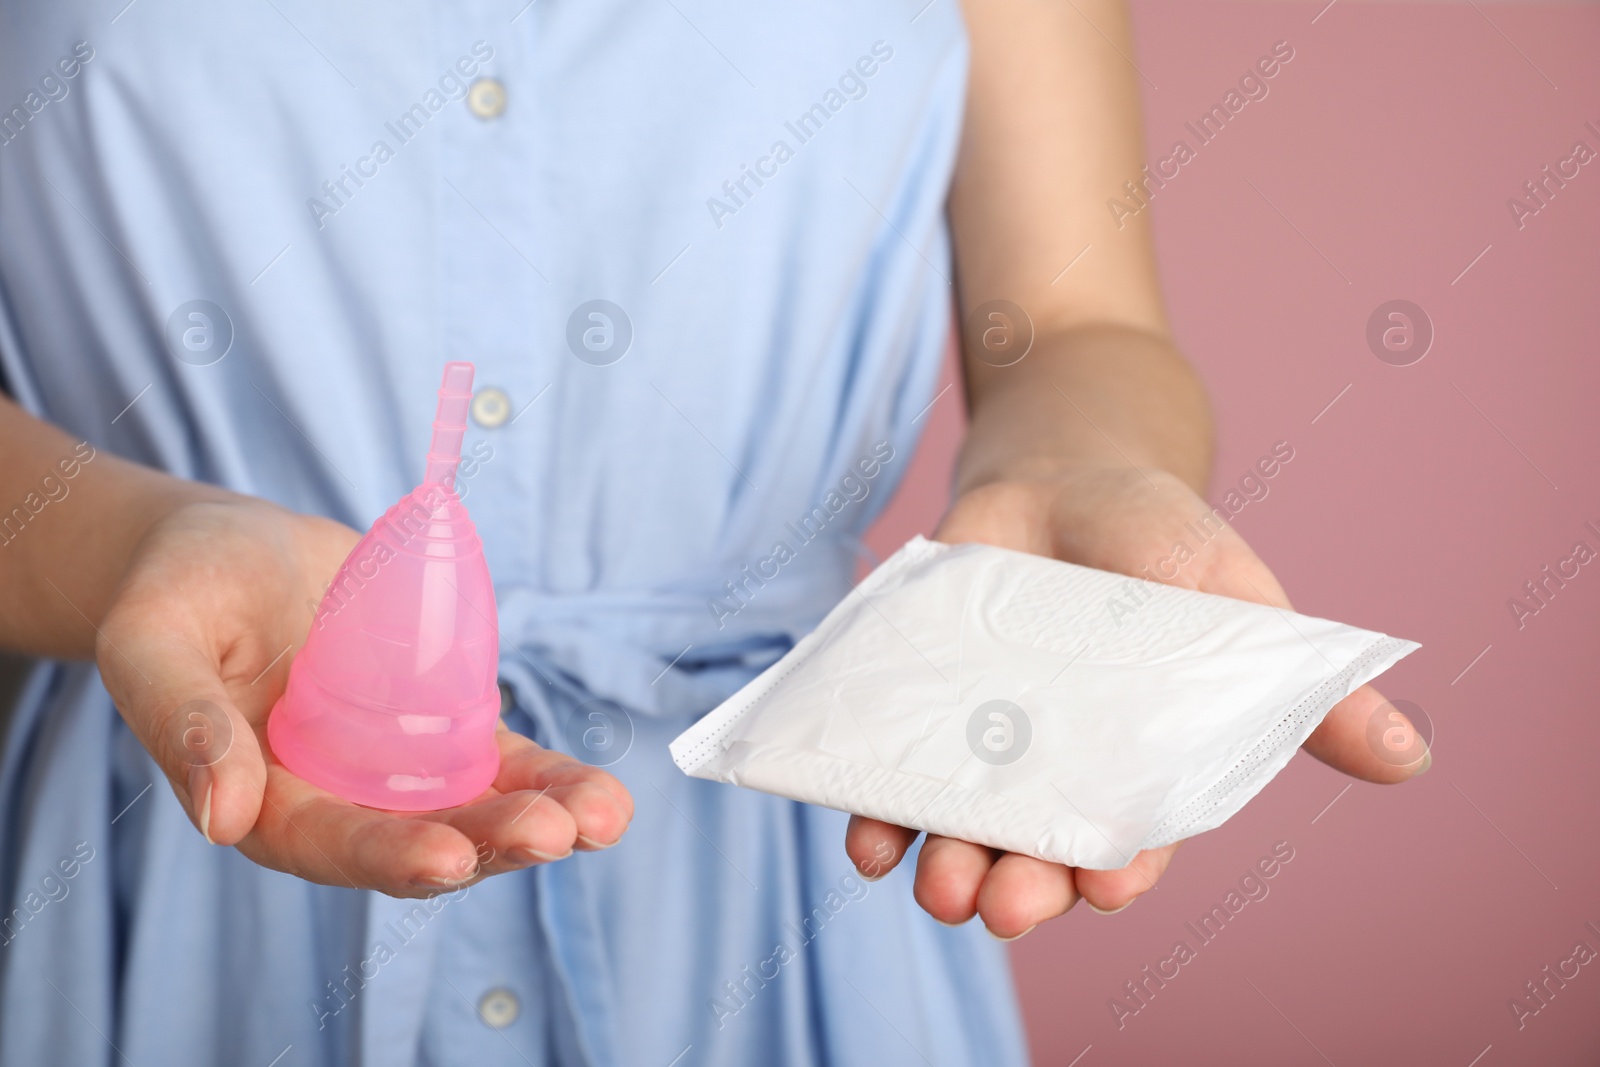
point(1367, 737)
point(1363, 735)
point(170, 693)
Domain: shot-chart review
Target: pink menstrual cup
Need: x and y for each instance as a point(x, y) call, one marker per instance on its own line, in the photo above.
point(393, 700)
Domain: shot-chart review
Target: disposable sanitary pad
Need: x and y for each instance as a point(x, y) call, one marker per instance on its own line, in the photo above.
point(1035, 706)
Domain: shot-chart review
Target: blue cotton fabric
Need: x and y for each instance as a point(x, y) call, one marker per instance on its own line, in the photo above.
point(316, 177)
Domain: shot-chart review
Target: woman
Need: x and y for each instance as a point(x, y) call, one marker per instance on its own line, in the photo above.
point(704, 260)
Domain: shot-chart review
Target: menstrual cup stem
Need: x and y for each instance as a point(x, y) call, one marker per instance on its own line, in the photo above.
point(449, 424)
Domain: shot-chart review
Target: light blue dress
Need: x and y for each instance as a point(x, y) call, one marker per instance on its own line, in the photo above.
point(238, 242)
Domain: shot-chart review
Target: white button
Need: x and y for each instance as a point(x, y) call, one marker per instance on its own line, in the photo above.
point(491, 407)
point(487, 98)
point(499, 1008)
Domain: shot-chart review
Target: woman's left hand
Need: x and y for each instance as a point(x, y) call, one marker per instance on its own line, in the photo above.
point(1117, 519)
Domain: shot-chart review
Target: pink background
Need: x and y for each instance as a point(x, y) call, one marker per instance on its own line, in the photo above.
point(1417, 504)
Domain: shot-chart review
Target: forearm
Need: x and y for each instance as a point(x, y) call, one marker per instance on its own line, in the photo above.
point(1103, 386)
point(70, 517)
point(1092, 395)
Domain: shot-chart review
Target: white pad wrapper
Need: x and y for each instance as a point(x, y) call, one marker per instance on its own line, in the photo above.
point(1035, 706)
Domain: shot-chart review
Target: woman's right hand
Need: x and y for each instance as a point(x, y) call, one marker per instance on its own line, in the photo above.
point(195, 649)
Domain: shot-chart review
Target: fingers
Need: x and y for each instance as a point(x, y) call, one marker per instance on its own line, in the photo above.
point(1111, 891)
point(513, 830)
point(876, 848)
point(554, 805)
point(1012, 893)
point(949, 875)
point(1368, 738)
point(542, 806)
point(320, 837)
point(1021, 892)
point(599, 807)
point(176, 704)
point(548, 805)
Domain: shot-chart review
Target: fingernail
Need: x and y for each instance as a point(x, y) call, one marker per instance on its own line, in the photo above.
point(525, 856)
point(591, 843)
point(434, 883)
point(870, 877)
point(1427, 761)
point(441, 881)
point(1113, 911)
point(941, 922)
point(200, 788)
point(1013, 937)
